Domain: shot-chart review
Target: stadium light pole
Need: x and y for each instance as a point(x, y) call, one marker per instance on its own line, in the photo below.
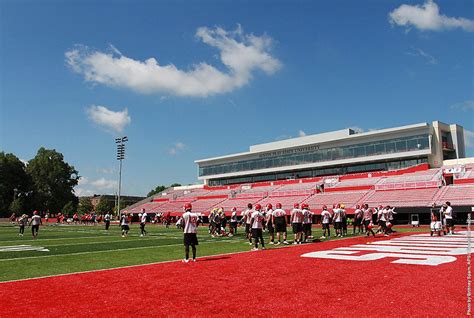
point(120, 156)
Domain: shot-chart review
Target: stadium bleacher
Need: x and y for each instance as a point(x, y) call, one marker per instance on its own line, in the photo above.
point(413, 187)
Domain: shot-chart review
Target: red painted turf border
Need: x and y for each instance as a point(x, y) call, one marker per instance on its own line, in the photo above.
point(265, 283)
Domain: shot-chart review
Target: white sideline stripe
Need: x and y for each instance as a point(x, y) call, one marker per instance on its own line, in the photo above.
point(107, 251)
point(128, 266)
point(417, 244)
point(54, 239)
point(178, 235)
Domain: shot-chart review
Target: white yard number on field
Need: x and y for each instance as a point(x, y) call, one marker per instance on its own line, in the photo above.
point(420, 249)
point(21, 248)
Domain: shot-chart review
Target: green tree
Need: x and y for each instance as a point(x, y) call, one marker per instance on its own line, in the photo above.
point(18, 206)
point(103, 206)
point(175, 185)
point(158, 189)
point(85, 205)
point(53, 180)
point(70, 208)
point(14, 182)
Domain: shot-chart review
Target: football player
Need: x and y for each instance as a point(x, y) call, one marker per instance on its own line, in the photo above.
point(190, 231)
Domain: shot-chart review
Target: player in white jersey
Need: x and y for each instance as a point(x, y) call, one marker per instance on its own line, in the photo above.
point(269, 222)
point(124, 224)
point(246, 218)
point(326, 221)
point(190, 231)
point(257, 220)
point(344, 219)
point(448, 215)
point(279, 220)
point(368, 215)
point(390, 218)
point(297, 223)
point(22, 221)
point(382, 220)
point(143, 223)
point(337, 218)
point(233, 222)
point(358, 215)
point(307, 222)
point(107, 221)
point(35, 223)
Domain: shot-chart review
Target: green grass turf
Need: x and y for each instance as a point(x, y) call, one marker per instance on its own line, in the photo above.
point(83, 248)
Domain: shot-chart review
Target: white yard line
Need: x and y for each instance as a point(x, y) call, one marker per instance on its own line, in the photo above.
point(107, 251)
point(154, 263)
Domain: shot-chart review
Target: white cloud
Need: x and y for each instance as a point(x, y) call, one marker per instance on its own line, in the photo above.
point(103, 184)
point(81, 192)
point(427, 18)
point(178, 147)
point(106, 170)
point(241, 53)
point(82, 181)
point(108, 119)
point(419, 52)
point(88, 187)
point(465, 106)
point(468, 138)
point(301, 133)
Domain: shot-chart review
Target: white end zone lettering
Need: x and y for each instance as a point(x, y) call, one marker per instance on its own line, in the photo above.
point(414, 259)
point(420, 249)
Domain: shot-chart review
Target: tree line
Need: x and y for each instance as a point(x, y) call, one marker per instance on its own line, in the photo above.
point(45, 183)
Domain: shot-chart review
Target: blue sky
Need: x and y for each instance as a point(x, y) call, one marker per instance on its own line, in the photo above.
point(225, 75)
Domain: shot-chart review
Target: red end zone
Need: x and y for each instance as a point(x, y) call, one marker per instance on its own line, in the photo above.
point(273, 282)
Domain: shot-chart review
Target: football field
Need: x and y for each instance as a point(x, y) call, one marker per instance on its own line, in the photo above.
point(62, 249)
point(86, 271)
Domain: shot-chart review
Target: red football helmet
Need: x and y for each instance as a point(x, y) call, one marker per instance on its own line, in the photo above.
point(269, 206)
point(389, 225)
point(278, 205)
point(325, 207)
point(258, 207)
point(296, 205)
point(35, 212)
point(305, 206)
point(187, 207)
point(357, 206)
point(370, 226)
